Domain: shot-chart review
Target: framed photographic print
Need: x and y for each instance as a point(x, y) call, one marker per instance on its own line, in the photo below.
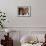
point(24, 11)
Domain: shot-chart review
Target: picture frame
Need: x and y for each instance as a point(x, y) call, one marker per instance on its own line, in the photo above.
point(24, 11)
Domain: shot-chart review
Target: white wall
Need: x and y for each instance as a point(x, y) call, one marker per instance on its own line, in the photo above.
point(37, 19)
point(38, 16)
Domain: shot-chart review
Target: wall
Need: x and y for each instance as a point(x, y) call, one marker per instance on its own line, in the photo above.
point(38, 10)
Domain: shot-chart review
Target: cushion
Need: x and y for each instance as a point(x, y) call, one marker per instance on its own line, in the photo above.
point(26, 39)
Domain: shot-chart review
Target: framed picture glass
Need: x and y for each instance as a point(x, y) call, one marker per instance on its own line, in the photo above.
point(24, 11)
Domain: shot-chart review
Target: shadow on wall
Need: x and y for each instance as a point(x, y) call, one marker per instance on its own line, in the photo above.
point(16, 43)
